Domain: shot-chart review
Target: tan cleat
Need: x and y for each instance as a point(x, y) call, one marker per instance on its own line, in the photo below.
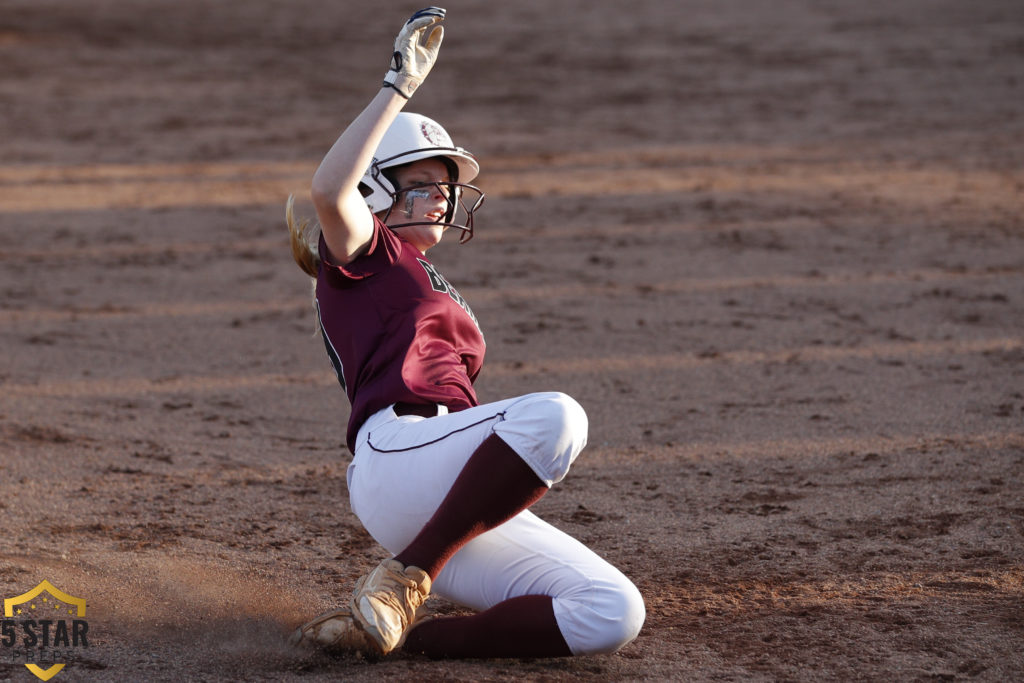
point(335, 631)
point(385, 602)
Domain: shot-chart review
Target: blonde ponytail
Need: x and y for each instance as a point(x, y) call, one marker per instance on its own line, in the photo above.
point(305, 239)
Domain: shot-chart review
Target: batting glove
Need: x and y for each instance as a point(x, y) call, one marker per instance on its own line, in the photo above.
point(414, 55)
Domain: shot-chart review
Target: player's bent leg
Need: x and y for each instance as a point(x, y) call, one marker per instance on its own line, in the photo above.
point(596, 608)
point(498, 481)
point(404, 468)
point(531, 444)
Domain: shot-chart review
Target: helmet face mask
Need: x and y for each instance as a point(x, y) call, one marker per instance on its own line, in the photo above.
point(410, 138)
point(463, 200)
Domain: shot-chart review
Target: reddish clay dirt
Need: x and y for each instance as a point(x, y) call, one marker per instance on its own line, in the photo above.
point(775, 249)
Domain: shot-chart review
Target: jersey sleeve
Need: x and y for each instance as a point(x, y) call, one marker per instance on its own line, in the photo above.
point(384, 249)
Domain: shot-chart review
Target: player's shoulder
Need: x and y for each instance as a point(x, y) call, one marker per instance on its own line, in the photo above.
point(383, 251)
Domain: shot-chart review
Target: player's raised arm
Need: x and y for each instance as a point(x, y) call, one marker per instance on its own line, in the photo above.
point(345, 220)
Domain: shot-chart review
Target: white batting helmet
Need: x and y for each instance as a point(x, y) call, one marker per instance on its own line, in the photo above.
point(412, 137)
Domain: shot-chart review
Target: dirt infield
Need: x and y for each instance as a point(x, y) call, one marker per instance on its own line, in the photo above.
point(776, 250)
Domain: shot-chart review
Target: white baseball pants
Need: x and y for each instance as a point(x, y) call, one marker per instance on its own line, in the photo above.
point(403, 468)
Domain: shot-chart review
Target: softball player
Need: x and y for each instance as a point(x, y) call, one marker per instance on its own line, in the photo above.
point(437, 479)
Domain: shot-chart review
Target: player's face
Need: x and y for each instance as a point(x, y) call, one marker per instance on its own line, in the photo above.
point(426, 204)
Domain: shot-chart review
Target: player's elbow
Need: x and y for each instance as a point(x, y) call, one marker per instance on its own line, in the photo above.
point(325, 195)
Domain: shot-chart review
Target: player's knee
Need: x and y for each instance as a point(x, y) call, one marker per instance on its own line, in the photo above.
point(609, 619)
point(565, 419)
point(548, 430)
point(632, 614)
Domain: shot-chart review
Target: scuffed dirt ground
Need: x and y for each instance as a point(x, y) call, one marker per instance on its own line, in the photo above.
point(775, 249)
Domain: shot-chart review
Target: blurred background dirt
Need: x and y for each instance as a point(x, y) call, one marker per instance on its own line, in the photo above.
point(775, 249)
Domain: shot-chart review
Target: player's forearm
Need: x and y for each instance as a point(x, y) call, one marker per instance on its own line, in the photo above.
point(345, 220)
point(344, 164)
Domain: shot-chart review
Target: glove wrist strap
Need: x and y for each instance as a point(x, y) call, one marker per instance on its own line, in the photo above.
point(401, 83)
point(386, 84)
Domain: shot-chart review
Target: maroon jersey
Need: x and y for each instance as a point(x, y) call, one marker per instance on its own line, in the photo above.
point(395, 330)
